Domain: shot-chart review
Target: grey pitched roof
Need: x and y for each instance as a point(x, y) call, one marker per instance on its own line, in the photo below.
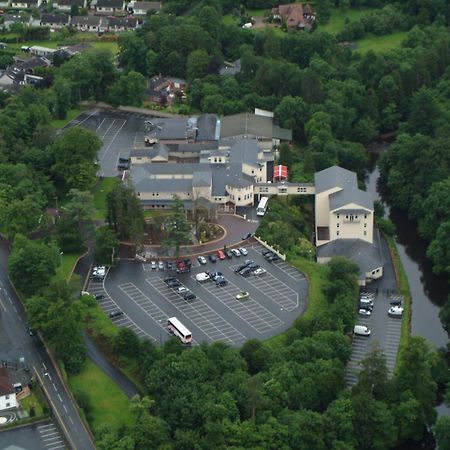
point(334, 176)
point(55, 18)
point(125, 22)
point(147, 6)
point(168, 129)
point(361, 198)
point(193, 147)
point(110, 3)
point(208, 128)
point(163, 185)
point(364, 254)
point(244, 151)
point(88, 20)
point(238, 182)
point(247, 124)
point(79, 3)
point(282, 133)
point(202, 178)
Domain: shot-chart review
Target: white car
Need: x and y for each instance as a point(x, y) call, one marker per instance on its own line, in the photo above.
point(259, 271)
point(200, 277)
point(395, 311)
point(182, 290)
point(235, 252)
point(161, 265)
point(202, 260)
point(364, 312)
point(153, 265)
point(243, 251)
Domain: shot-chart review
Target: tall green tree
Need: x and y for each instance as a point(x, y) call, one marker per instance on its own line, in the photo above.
point(106, 246)
point(177, 226)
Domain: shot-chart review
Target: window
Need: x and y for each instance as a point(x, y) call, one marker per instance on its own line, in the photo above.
point(7, 397)
point(239, 199)
point(365, 233)
point(337, 233)
point(215, 160)
point(365, 216)
point(346, 216)
point(8, 405)
point(263, 189)
point(337, 225)
point(338, 216)
point(301, 189)
point(365, 225)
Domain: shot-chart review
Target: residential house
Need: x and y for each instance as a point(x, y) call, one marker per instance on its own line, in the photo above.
point(92, 24)
point(164, 90)
point(5, 3)
point(7, 392)
point(143, 8)
point(25, 4)
point(55, 21)
point(21, 73)
point(66, 5)
point(9, 19)
point(118, 24)
point(344, 216)
point(46, 52)
point(109, 6)
point(294, 15)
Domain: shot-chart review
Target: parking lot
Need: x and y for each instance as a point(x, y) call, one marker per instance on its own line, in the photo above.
point(275, 299)
point(119, 131)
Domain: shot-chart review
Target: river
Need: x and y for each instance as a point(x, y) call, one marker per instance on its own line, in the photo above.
point(428, 291)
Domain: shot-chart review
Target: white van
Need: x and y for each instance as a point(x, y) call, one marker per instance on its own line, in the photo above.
point(202, 277)
point(366, 302)
point(361, 330)
point(395, 311)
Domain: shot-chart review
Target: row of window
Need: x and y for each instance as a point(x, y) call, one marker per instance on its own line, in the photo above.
point(337, 233)
point(283, 190)
point(352, 217)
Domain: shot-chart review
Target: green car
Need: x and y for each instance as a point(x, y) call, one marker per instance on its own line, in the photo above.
point(242, 295)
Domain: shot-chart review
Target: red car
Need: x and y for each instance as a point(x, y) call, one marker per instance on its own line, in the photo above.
point(220, 254)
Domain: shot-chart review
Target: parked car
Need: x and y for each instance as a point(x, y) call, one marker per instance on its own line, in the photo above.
point(220, 255)
point(365, 306)
point(253, 266)
point(395, 311)
point(236, 252)
point(212, 258)
point(30, 331)
point(182, 289)
point(115, 313)
point(243, 251)
point(366, 302)
point(228, 253)
point(168, 265)
point(201, 260)
point(98, 273)
point(189, 296)
point(221, 281)
point(98, 296)
point(174, 283)
point(361, 330)
point(239, 268)
point(259, 271)
point(249, 261)
point(242, 295)
point(201, 277)
point(364, 312)
point(273, 258)
point(182, 267)
point(396, 302)
point(214, 275)
point(122, 166)
point(124, 159)
point(188, 262)
point(153, 265)
point(160, 265)
point(267, 252)
point(246, 272)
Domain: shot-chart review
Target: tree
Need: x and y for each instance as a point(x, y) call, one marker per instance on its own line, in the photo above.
point(293, 113)
point(126, 343)
point(31, 264)
point(106, 245)
point(197, 64)
point(442, 433)
point(425, 112)
point(69, 237)
point(439, 249)
point(129, 89)
point(177, 226)
point(75, 153)
point(63, 91)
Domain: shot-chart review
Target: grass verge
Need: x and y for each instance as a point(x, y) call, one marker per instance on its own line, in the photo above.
point(381, 44)
point(338, 18)
point(33, 400)
point(109, 404)
point(68, 262)
point(71, 115)
point(100, 192)
point(403, 288)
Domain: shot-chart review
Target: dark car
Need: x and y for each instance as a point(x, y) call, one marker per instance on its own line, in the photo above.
point(267, 252)
point(169, 279)
point(239, 268)
point(253, 266)
point(98, 296)
point(273, 258)
point(221, 281)
point(168, 265)
point(365, 306)
point(174, 283)
point(30, 331)
point(124, 160)
point(228, 253)
point(212, 258)
point(249, 235)
point(122, 166)
point(189, 296)
point(396, 302)
point(246, 272)
point(115, 313)
point(214, 275)
point(188, 262)
point(182, 267)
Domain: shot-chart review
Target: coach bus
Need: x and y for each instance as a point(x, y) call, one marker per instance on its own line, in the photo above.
point(176, 328)
point(262, 206)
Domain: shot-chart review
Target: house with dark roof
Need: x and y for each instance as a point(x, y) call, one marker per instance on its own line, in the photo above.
point(12, 18)
point(109, 6)
point(91, 24)
point(55, 21)
point(120, 24)
point(7, 392)
point(139, 8)
point(25, 4)
point(294, 15)
point(164, 90)
point(66, 5)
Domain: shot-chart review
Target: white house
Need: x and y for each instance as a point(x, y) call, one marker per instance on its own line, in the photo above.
point(92, 24)
point(26, 4)
point(142, 8)
point(7, 392)
point(46, 52)
point(55, 21)
point(109, 6)
point(66, 5)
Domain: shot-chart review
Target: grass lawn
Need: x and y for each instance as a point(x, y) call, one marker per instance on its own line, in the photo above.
point(156, 213)
point(228, 19)
point(100, 192)
point(35, 400)
point(113, 47)
point(109, 404)
point(71, 114)
point(256, 12)
point(381, 44)
point(68, 262)
point(337, 20)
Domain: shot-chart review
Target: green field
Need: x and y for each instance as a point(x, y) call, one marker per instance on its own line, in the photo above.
point(71, 114)
point(381, 44)
point(338, 17)
point(109, 404)
point(100, 193)
point(34, 400)
point(68, 262)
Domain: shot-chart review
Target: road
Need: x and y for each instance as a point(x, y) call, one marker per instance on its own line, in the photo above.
point(13, 322)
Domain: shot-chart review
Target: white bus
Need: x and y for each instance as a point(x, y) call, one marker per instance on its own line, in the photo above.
point(262, 206)
point(176, 328)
